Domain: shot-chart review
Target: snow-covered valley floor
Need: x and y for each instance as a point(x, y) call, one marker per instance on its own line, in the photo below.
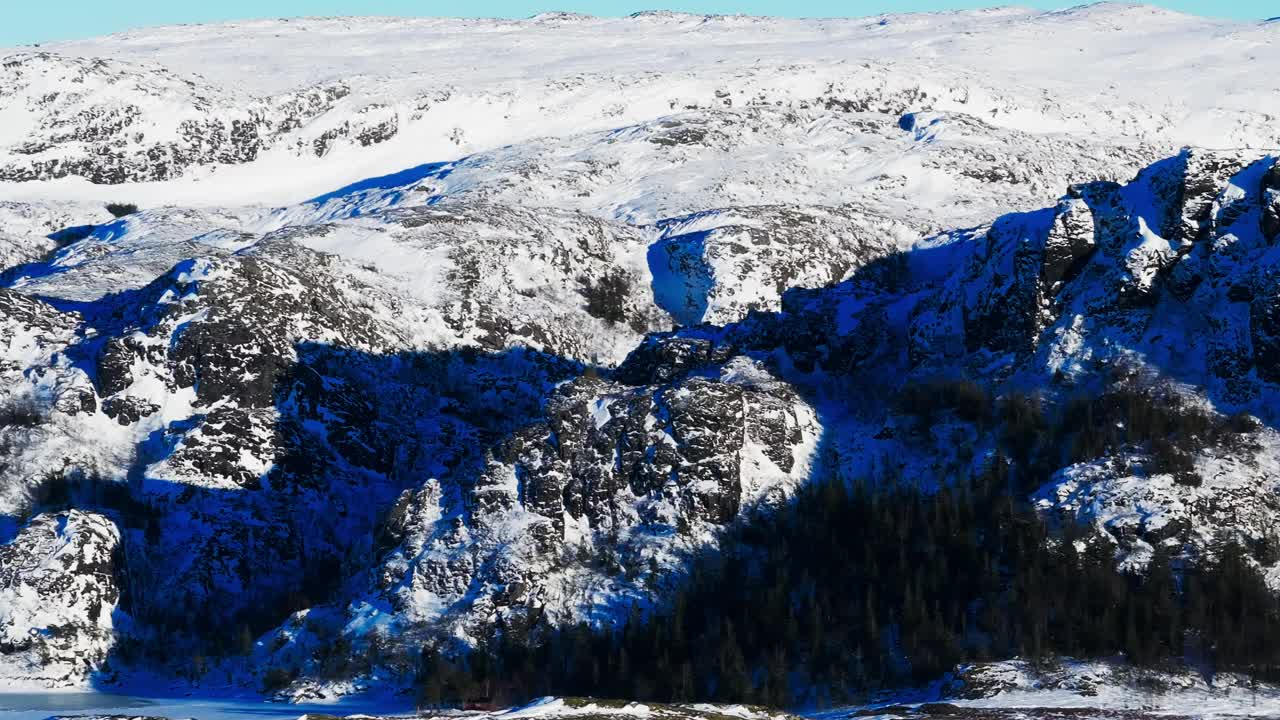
point(205, 706)
point(1049, 706)
point(1073, 691)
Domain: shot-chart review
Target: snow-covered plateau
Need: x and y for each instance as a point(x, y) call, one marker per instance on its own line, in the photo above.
point(424, 329)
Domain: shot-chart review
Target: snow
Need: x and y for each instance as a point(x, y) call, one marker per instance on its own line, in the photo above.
point(489, 84)
point(1072, 688)
point(170, 703)
point(57, 620)
point(600, 415)
point(1115, 496)
point(555, 707)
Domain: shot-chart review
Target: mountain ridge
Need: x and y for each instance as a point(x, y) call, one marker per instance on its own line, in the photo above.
point(392, 101)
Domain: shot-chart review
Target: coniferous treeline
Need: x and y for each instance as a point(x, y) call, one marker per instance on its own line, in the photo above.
point(846, 591)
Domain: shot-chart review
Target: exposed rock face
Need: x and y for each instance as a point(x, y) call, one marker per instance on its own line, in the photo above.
point(1070, 242)
point(1264, 330)
point(1206, 174)
point(226, 329)
point(37, 384)
point(1271, 209)
point(32, 326)
point(210, 359)
point(1101, 254)
point(618, 478)
point(1113, 495)
point(112, 122)
point(58, 599)
point(717, 266)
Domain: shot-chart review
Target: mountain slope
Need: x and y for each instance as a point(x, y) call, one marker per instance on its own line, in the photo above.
point(385, 364)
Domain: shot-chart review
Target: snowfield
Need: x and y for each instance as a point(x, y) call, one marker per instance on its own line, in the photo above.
point(356, 98)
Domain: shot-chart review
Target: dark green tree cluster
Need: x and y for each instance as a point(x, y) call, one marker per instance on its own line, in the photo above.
point(607, 297)
point(1125, 412)
point(848, 591)
point(119, 210)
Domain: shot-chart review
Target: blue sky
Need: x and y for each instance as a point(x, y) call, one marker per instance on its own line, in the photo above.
point(35, 21)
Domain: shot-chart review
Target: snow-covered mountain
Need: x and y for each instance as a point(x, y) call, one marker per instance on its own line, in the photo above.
point(427, 327)
point(276, 112)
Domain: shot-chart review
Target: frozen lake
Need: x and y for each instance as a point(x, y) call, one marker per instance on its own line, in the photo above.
point(38, 706)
